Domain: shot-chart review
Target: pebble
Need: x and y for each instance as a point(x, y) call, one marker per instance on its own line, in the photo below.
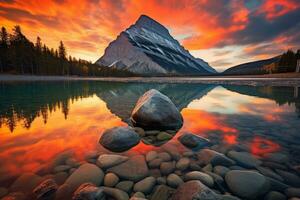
point(161, 180)
point(152, 132)
point(244, 159)
point(167, 167)
point(88, 191)
point(138, 195)
point(183, 163)
point(221, 170)
point(196, 175)
point(109, 160)
point(63, 192)
point(146, 185)
point(61, 168)
point(290, 178)
point(164, 136)
point(126, 186)
point(165, 156)
point(277, 157)
point(155, 163)
point(162, 192)
point(115, 193)
point(193, 141)
point(151, 155)
point(140, 131)
point(60, 177)
point(155, 173)
point(277, 185)
point(174, 180)
point(45, 189)
point(110, 179)
point(269, 172)
point(273, 195)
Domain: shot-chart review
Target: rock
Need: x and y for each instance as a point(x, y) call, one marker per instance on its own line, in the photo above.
point(119, 139)
point(155, 110)
point(72, 162)
point(204, 178)
point(268, 172)
point(290, 178)
point(277, 185)
point(244, 159)
point(293, 192)
point(152, 132)
point(45, 189)
point(134, 169)
point(167, 167)
point(277, 157)
point(273, 195)
point(138, 195)
point(60, 177)
point(172, 150)
point(86, 173)
point(194, 167)
point(155, 163)
point(109, 160)
point(110, 180)
point(229, 197)
point(207, 168)
point(183, 163)
point(174, 180)
point(162, 192)
point(188, 154)
point(274, 165)
point(207, 156)
point(194, 190)
point(151, 155)
point(164, 136)
point(193, 141)
point(3, 192)
point(145, 186)
point(139, 131)
point(15, 196)
point(126, 186)
point(116, 194)
point(161, 180)
point(61, 168)
point(26, 183)
point(137, 198)
point(165, 156)
point(88, 191)
point(239, 181)
point(155, 173)
point(221, 170)
point(63, 192)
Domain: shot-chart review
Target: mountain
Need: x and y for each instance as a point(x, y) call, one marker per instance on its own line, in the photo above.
point(147, 48)
point(256, 67)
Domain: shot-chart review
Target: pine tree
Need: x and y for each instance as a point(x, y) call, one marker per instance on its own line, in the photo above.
point(3, 49)
point(62, 55)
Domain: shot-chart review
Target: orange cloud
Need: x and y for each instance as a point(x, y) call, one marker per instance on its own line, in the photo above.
point(277, 8)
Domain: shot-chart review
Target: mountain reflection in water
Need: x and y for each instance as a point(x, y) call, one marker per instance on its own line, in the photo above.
point(41, 119)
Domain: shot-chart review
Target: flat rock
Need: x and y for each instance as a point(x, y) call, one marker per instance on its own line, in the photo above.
point(244, 159)
point(119, 139)
point(88, 191)
point(109, 160)
point(110, 179)
point(61, 168)
point(239, 183)
point(134, 169)
point(174, 180)
point(126, 186)
point(60, 177)
point(115, 193)
point(145, 186)
point(86, 173)
point(155, 110)
point(194, 190)
point(196, 175)
point(193, 141)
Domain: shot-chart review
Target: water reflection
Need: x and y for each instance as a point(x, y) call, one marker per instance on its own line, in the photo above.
point(41, 119)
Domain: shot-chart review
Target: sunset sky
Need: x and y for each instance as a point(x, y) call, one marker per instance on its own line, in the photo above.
point(222, 32)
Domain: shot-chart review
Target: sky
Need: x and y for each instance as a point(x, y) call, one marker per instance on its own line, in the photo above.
point(222, 32)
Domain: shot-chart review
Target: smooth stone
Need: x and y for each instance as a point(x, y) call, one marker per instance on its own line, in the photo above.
point(25, 183)
point(86, 173)
point(126, 186)
point(194, 167)
point(152, 132)
point(269, 173)
point(156, 110)
point(273, 195)
point(188, 154)
point(172, 150)
point(208, 156)
point(229, 197)
point(155, 163)
point(204, 178)
point(61, 168)
point(194, 190)
point(207, 168)
point(244, 159)
point(138, 195)
point(72, 162)
point(155, 173)
point(145, 186)
point(45, 189)
point(277, 157)
point(236, 167)
point(115, 193)
point(193, 141)
point(292, 192)
point(134, 169)
point(88, 191)
point(162, 192)
point(277, 185)
point(164, 136)
point(137, 198)
point(139, 131)
point(167, 167)
point(119, 139)
point(60, 177)
point(165, 156)
point(221, 170)
point(109, 160)
point(3, 191)
point(161, 180)
point(110, 179)
point(174, 180)
point(247, 184)
point(274, 165)
point(15, 196)
point(290, 178)
point(63, 192)
point(151, 155)
point(183, 163)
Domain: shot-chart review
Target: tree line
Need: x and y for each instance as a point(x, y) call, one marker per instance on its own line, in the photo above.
point(18, 55)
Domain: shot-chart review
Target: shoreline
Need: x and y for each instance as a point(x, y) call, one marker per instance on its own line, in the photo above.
point(276, 80)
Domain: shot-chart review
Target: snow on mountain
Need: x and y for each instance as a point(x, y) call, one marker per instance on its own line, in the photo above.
point(147, 48)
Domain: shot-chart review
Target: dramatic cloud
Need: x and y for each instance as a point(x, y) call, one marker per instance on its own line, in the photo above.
point(245, 30)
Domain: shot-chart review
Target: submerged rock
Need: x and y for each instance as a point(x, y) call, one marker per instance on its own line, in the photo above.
point(26, 183)
point(119, 139)
point(203, 177)
point(154, 110)
point(109, 160)
point(115, 193)
point(244, 159)
point(110, 180)
point(88, 191)
point(145, 186)
point(162, 192)
point(45, 189)
point(207, 156)
point(193, 141)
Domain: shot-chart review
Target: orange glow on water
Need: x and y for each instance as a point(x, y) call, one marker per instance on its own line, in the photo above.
point(261, 146)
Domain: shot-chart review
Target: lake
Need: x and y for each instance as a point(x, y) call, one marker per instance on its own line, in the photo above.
point(41, 121)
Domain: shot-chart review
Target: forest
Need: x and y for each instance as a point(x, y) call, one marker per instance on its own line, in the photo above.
point(18, 55)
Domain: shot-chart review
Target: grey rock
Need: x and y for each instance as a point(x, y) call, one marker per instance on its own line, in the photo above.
point(204, 178)
point(167, 167)
point(155, 173)
point(119, 139)
point(162, 136)
point(155, 110)
point(126, 186)
point(110, 179)
point(140, 131)
point(115, 193)
point(292, 192)
point(277, 157)
point(230, 197)
point(162, 192)
point(109, 160)
point(174, 180)
point(45, 189)
point(269, 172)
point(155, 163)
point(207, 156)
point(221, 170)
point(183, 163)
point(273, 195)
point(161, 180)
point(145, 186)
point(290, 178)
point(244, 159)
point(165, 156)
point(63, 192)
point(138, 195)
point(277, 185)
point(88, 191)
point(193, 141)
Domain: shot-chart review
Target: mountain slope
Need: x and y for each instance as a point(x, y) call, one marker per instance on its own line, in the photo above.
point(255, 67)
point(147, 48)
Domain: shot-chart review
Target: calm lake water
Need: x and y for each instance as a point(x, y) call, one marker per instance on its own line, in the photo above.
point(39, 120)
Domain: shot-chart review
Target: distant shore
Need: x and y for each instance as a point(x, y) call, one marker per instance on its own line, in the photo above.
point(286, 79)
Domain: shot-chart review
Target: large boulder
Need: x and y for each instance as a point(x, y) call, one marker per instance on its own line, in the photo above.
point(156, 111)
point(119, 139)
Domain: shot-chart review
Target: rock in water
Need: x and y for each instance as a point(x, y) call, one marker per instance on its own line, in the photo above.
point(88, 191)
point(119, 139)
point(244, 159)
point(45, 189)
point(193, 141)
point(247, 184)
point(194, 190)
point(109, 160)
point(156, 111)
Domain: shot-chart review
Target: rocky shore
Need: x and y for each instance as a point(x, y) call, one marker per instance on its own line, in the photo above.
point(198, 170)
